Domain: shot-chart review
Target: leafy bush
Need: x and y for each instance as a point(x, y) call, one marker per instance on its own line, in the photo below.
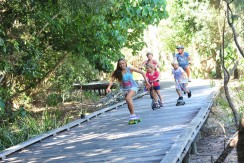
point(54, 99)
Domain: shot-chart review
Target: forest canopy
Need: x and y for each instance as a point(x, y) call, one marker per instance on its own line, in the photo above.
point(46, 43)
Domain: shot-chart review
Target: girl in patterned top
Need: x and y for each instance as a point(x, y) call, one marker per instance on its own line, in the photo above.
point(150, 60)
point(123, 75)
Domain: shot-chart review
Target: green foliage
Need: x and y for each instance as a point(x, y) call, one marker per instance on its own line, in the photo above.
point(53, 99)
point(2, 108)
point(222, 102)
point(37, 37)
point(28, 126)
point(92, 96)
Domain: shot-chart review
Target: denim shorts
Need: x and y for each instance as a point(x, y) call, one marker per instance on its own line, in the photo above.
point(156, 87)
point(184, 67)
point(180, 86)
point(132, 88)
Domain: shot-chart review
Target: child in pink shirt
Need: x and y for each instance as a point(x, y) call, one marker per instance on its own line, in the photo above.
point(153, 78)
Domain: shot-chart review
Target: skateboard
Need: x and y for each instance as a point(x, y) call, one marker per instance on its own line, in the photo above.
point(134, 121)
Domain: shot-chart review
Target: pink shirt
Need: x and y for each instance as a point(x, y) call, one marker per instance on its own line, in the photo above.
point(154, 62)
point(153, 77)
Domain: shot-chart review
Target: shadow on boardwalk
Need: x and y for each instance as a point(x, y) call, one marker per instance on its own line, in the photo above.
point(163, 135)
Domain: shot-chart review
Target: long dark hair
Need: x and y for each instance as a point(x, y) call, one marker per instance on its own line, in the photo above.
point(117, 74)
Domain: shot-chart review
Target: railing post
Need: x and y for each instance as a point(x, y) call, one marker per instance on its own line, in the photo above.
point(194, 147)
point(186, 158)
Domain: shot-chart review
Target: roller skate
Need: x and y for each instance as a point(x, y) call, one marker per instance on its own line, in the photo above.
point(134, 119)
point(161, 103)
point(155, 105)
point(180, 101)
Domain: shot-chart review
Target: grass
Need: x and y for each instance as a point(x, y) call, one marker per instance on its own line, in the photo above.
point(24, 128)
point(39, 120)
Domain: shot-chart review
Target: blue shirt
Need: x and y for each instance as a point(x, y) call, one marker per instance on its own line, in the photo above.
point(183, 59)
point(128, 82)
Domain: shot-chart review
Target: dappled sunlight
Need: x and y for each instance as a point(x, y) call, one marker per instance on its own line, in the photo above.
point(109, 137)
point(55, 158)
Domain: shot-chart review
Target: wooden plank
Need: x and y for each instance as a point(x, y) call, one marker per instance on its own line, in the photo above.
point(159, 132)
point(176, 151)
point(15, 148)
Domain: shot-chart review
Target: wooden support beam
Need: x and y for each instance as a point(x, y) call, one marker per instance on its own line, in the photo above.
point(194, 147)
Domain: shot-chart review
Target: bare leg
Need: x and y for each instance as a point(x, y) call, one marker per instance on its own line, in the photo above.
point(186, 88)
point(178, 91)
point(129, 101)
point(155, 97)
point(159, 95)
point(188, 72)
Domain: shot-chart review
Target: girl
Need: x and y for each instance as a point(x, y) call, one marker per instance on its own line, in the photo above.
point(123, 75)
point(150, 60)
point(153, 78)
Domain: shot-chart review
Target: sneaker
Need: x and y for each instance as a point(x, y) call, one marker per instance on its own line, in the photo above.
point(180, 98)
point(189, 79)
point(157, 105)
point(161, 103)
point(189, 94)
point(133, 117)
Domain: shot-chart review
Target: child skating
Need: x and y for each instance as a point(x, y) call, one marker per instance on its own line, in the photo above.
point(181, 81)
point(123, 75)
point(153, 78)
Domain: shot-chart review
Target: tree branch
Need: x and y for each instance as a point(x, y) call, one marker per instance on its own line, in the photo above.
point(229, 15)
point(230, 146)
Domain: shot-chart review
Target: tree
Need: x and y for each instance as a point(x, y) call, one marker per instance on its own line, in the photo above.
point(38, 37)
point(240, 149)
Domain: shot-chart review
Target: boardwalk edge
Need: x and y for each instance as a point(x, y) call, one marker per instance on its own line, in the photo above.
point(68, 126)
point(177, 153)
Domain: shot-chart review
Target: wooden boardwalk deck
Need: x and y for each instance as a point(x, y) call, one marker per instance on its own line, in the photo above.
point(164, 135)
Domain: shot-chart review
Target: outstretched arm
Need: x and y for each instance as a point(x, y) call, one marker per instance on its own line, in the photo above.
point(109, 85)
point(143, 74)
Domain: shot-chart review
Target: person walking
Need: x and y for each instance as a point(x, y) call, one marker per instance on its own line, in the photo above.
point(123, 74)
point(184, 59)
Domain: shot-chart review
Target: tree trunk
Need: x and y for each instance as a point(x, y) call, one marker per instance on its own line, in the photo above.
point(236, 74)
point(218, 70)
point(240, 143)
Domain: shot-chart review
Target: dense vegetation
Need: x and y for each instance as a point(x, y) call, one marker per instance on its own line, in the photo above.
point(46, 46)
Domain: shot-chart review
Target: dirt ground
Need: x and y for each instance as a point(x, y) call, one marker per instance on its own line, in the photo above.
point(211, 140)
point(209, 148)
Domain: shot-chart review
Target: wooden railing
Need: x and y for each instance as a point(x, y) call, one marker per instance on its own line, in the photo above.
point(99, 87)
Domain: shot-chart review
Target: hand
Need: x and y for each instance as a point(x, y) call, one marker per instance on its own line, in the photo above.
point(148, 86)
point(108, 90)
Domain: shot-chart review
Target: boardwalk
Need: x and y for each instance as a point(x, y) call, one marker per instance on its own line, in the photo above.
point(164, 135)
